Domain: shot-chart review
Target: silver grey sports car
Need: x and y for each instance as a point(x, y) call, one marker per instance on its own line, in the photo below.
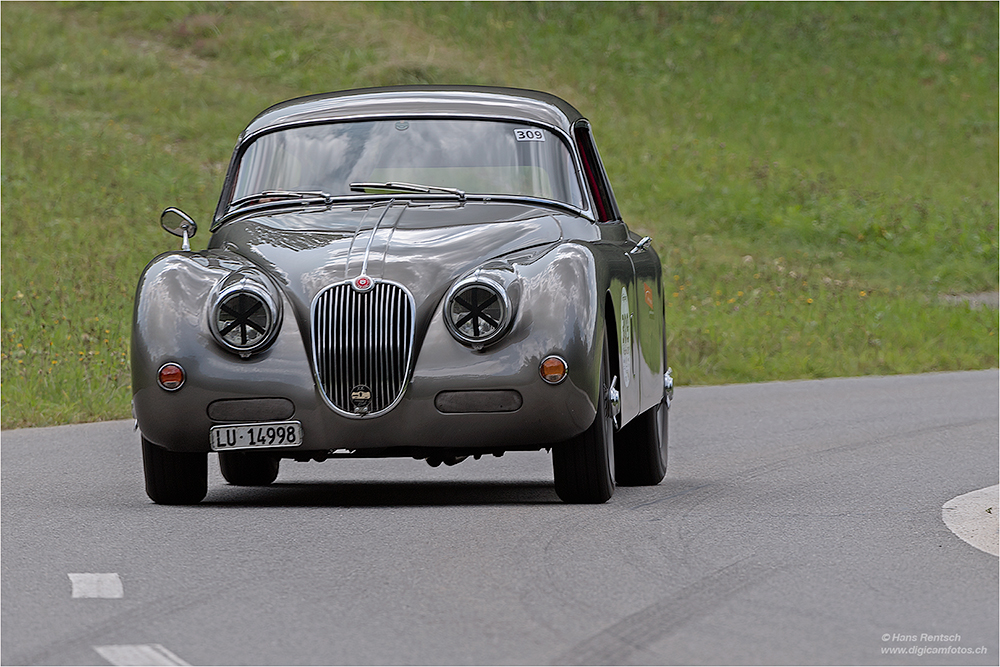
point(426, 272)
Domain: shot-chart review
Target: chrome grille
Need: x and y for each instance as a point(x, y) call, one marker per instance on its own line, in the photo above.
point(362, 342)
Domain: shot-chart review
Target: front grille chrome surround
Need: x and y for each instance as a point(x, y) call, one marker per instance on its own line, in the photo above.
point(362, 345)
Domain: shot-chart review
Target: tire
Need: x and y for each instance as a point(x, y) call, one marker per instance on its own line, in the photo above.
point(641, 445)
point(174, 478)
point(584, 467)
point(641, 448)
point(248, 468)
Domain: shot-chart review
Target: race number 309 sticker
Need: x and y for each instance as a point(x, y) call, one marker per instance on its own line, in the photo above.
point(626, 340)
point(528, 134)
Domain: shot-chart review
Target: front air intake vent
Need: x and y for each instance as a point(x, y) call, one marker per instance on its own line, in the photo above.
point(362, 343)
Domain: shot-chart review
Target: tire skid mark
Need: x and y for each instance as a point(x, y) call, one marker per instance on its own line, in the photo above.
point(155, 609)
point(552, 566)
point(637, 632)
point(547, 588)
point(672, 496)
point(682, 497)
point(688, 501)
point(867, 441)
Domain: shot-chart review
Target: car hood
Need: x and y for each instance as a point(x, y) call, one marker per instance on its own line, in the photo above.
point(423, 247)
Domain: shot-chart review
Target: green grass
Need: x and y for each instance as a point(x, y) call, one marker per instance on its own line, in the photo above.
point(815, 175)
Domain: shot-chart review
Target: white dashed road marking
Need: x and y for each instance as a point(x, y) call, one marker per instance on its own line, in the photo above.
point(975, 517)
point(109, 585)
point(96, 585)
point(138, 654)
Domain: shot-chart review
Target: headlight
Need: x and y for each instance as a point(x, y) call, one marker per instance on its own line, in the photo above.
point(244, 317)
point(477, 311)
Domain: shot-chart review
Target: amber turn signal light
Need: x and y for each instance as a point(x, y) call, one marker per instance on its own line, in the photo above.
point(553, 369)
point(170, 376)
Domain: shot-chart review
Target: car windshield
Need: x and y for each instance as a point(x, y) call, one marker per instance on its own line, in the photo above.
point(475, 156)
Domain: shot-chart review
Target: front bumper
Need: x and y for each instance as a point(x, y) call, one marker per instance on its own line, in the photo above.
point(520, 412)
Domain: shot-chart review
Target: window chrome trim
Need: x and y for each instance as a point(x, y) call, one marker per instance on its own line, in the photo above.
point(223, 214)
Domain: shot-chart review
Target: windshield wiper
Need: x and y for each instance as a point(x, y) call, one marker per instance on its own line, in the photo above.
point(269, 196)
point(396, 186)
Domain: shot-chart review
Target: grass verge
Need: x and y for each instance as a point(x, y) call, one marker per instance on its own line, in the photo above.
point(815, 175)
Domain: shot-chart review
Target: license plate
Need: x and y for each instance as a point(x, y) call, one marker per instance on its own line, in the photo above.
point(255, 436)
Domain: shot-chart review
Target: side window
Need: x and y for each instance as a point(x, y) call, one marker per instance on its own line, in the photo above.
point(593, 171)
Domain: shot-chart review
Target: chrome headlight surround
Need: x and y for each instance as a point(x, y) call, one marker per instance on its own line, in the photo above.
point(478, 311)
point(244, 317)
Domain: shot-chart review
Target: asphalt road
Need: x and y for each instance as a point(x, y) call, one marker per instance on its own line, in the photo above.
point(800, 523)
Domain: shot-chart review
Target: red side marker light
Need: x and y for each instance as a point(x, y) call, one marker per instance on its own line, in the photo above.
point(170, 376)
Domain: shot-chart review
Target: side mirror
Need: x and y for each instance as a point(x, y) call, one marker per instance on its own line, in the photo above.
point(179, 223)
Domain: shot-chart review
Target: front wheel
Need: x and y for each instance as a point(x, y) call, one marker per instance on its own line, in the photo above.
point(584, 466)
point(174, 478)
point(248, 468)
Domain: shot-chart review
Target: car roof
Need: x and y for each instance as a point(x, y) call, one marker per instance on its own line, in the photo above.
point(394, 101)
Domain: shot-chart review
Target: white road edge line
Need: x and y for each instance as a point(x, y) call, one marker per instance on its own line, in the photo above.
point(975, 518)
point(96, 585)
point(138, 654)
